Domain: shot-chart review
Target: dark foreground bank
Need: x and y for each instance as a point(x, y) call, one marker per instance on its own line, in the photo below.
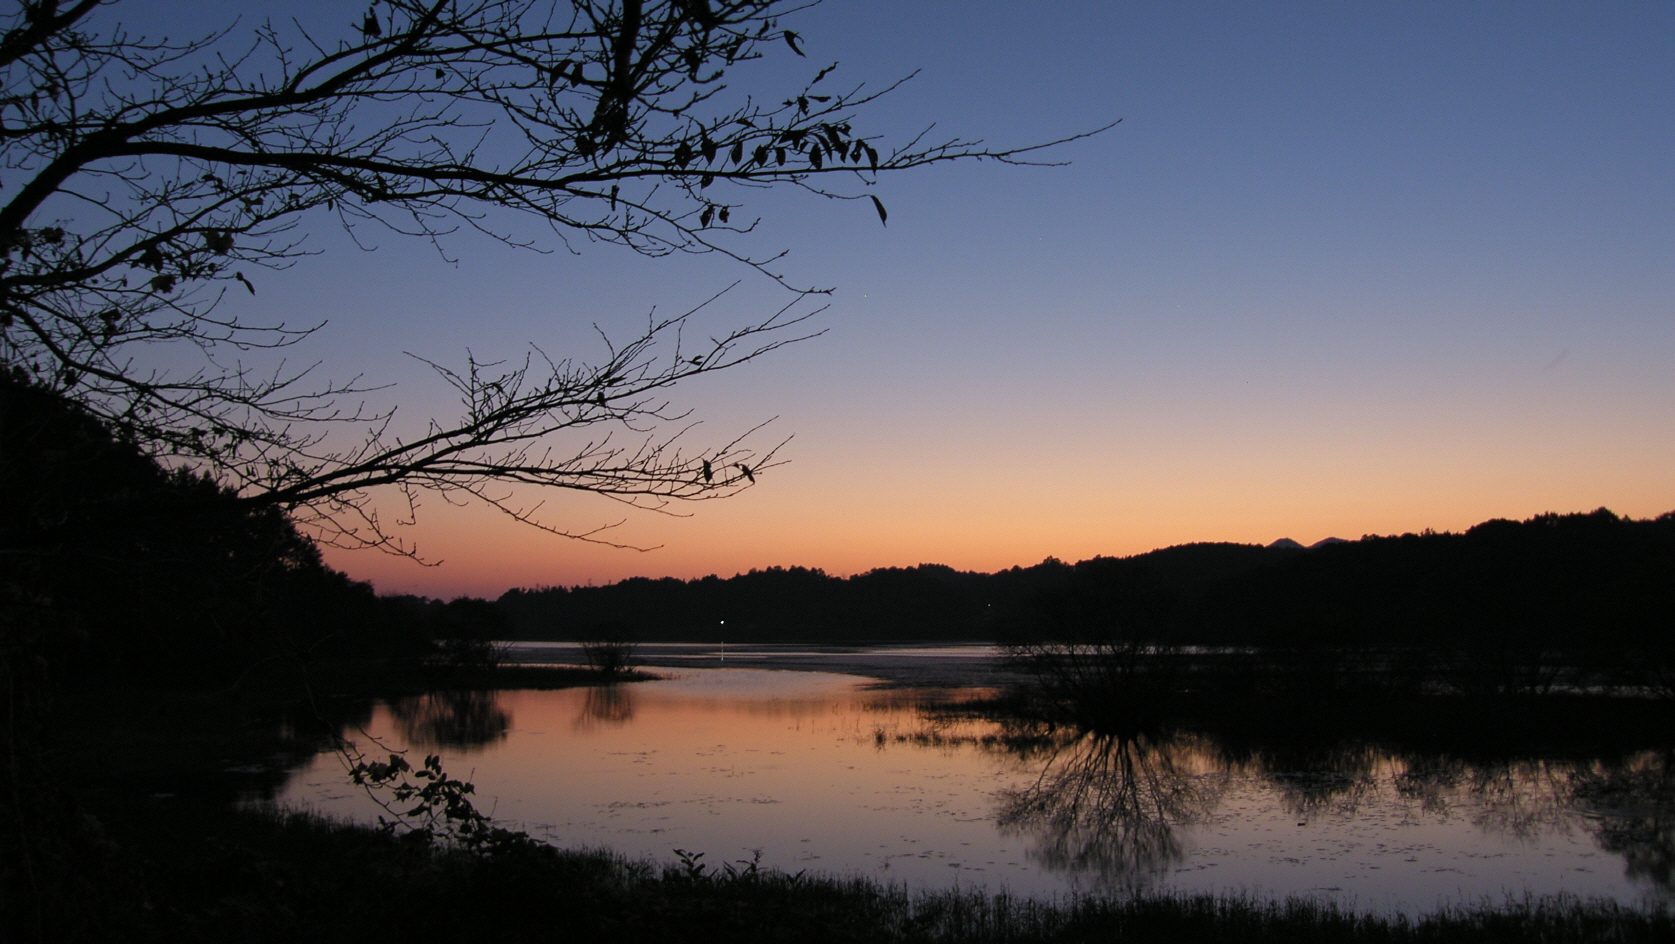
point(182, 875)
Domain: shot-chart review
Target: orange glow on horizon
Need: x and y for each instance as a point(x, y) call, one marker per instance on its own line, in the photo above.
point(484, 555)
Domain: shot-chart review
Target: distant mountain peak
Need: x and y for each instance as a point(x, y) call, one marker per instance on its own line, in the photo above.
point(1287, 544)
point(1325, 541)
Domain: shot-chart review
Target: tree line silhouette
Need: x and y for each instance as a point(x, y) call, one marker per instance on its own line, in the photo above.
point(777, 604)
point(1517, 605)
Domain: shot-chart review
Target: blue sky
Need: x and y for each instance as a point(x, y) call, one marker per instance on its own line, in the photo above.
point(1341, 269)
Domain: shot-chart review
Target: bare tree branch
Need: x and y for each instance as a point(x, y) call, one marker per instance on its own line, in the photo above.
point(141, 180)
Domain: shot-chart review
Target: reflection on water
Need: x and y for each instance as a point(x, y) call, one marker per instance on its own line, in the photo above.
point(1112, 805)
point(1334, 782)
point(1634, 810)
point(605, 705)
point(1126, 811)
point(466, 720)
point(822, 771)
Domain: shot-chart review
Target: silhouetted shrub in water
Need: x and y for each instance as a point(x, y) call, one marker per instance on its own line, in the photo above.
point(609, 651)
point(611, 657)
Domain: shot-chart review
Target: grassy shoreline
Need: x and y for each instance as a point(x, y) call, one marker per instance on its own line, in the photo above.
point(192, 875)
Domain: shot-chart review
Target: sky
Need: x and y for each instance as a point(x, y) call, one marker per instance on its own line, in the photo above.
point(1341, 269)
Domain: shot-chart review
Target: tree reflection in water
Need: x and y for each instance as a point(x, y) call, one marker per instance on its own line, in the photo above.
point(1110, 804)
point(606, 704)
point(1118, 807)
point(1523, 797)
point(1635, 808)
point(454, 719)
point(1315, 782)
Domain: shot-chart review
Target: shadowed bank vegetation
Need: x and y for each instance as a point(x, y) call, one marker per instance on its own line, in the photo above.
point(160, 637)
point(264, 878)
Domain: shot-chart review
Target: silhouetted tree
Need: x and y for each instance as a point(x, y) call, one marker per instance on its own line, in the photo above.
point(145, 177)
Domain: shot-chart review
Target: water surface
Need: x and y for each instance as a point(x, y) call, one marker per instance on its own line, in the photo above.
point(830, 772)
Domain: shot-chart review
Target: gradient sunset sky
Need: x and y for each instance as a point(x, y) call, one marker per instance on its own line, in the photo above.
point(1342, 269)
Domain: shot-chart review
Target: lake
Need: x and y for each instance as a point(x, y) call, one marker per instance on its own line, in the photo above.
point(861, 761)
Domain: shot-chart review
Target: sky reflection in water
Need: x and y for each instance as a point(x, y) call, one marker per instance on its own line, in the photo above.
point(821, 771)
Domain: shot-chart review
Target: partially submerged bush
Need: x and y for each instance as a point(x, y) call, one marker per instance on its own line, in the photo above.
point(609, 656)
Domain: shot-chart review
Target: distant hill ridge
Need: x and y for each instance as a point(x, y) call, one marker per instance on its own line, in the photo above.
point(1578, 567)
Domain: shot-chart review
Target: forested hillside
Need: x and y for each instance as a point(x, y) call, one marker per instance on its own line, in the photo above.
point(1553, 581)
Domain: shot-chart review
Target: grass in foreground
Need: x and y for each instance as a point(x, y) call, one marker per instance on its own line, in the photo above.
point(213, 875)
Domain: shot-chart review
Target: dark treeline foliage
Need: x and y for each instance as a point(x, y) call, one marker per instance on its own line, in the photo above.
point(121, 577)
point(782, 604)
point(1574, 605)
point(1552, 583)
point(116, 567)
point(162, 636)
point(794, 604)
point(790, 604)
point(119, 567)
